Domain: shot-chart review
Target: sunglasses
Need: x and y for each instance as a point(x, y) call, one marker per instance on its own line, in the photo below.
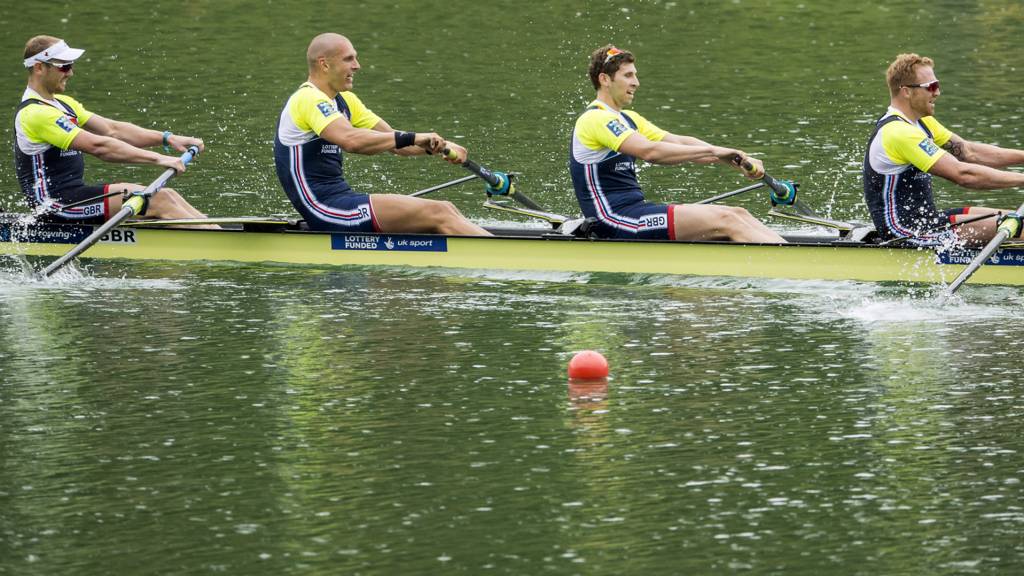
point(612, 53)
point(932, 86)
point(65, 67)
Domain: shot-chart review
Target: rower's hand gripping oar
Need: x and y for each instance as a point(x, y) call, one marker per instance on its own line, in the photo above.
point(1009, 227)
point(131, 207)
point(498, 183)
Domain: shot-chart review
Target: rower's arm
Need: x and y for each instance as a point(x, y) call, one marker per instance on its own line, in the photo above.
point(458, 156)
point(690, 141)
point(731, 161)
point(124, 131)
point(113, 150)
point(985, 154)
point(383, 126)
point(975, 176)
point(687, 140)
point(670, 151)
point(363, 141)
point(666, 152)
point(136, 135)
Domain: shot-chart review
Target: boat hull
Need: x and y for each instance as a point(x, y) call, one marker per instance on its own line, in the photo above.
point(817, 259)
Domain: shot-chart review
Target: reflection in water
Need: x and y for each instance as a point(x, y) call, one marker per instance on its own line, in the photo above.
point(589, 391)
point(300, 416)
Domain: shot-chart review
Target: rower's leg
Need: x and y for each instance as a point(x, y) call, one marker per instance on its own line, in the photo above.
point(397, 213)
point(166, 204)
point(712, 222)
point(980, 232)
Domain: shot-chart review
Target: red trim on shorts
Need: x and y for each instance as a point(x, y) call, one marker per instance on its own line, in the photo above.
point(671, 221)
point(373, 215)
point(106, 203)
point(952, 213)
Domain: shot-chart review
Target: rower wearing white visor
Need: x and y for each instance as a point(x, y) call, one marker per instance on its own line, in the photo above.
point(52, 130)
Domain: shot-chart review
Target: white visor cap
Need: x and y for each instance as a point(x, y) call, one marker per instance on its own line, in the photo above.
point(59, 51)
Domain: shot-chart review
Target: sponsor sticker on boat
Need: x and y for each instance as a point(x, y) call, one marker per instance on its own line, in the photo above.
point(395, 243)
point(60, 234)
point(44, 234)
point(1000, 258)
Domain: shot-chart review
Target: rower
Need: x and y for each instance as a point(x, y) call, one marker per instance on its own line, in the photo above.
point(322, 119)
point(908, 145)
point(605, 144)
point(52, 130)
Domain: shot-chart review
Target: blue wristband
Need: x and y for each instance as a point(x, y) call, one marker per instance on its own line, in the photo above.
point(167, 140)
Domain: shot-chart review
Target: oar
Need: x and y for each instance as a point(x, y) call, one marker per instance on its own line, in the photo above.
point(736, 192)
point(498, 183)
point(131, 207)
point(426, 191)
point(1009, 226)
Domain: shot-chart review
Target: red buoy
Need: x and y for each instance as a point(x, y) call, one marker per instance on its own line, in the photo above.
point(588, 365)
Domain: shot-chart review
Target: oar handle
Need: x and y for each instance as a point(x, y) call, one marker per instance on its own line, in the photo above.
point(498, 182)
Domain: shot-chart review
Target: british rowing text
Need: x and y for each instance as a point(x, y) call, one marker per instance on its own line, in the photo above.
point(119, 236)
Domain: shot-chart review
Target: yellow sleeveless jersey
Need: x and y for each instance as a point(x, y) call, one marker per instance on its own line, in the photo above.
point(39, 127)
point(899, 145)
point(309, 111)
point(601, 130)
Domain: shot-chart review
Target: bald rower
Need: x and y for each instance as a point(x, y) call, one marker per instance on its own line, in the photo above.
point(322, 120)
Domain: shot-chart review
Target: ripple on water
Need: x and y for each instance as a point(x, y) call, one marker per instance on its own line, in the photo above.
point(72, 278)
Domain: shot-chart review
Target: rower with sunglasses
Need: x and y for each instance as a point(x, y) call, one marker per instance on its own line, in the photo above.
point(606, 142)
point(52, 130)
point(908, 145)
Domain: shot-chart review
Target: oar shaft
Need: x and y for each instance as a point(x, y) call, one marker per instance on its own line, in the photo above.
point(482, 172)
point(499, 184)
point(737, 192)
point(525, 200)
point(426, 191)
